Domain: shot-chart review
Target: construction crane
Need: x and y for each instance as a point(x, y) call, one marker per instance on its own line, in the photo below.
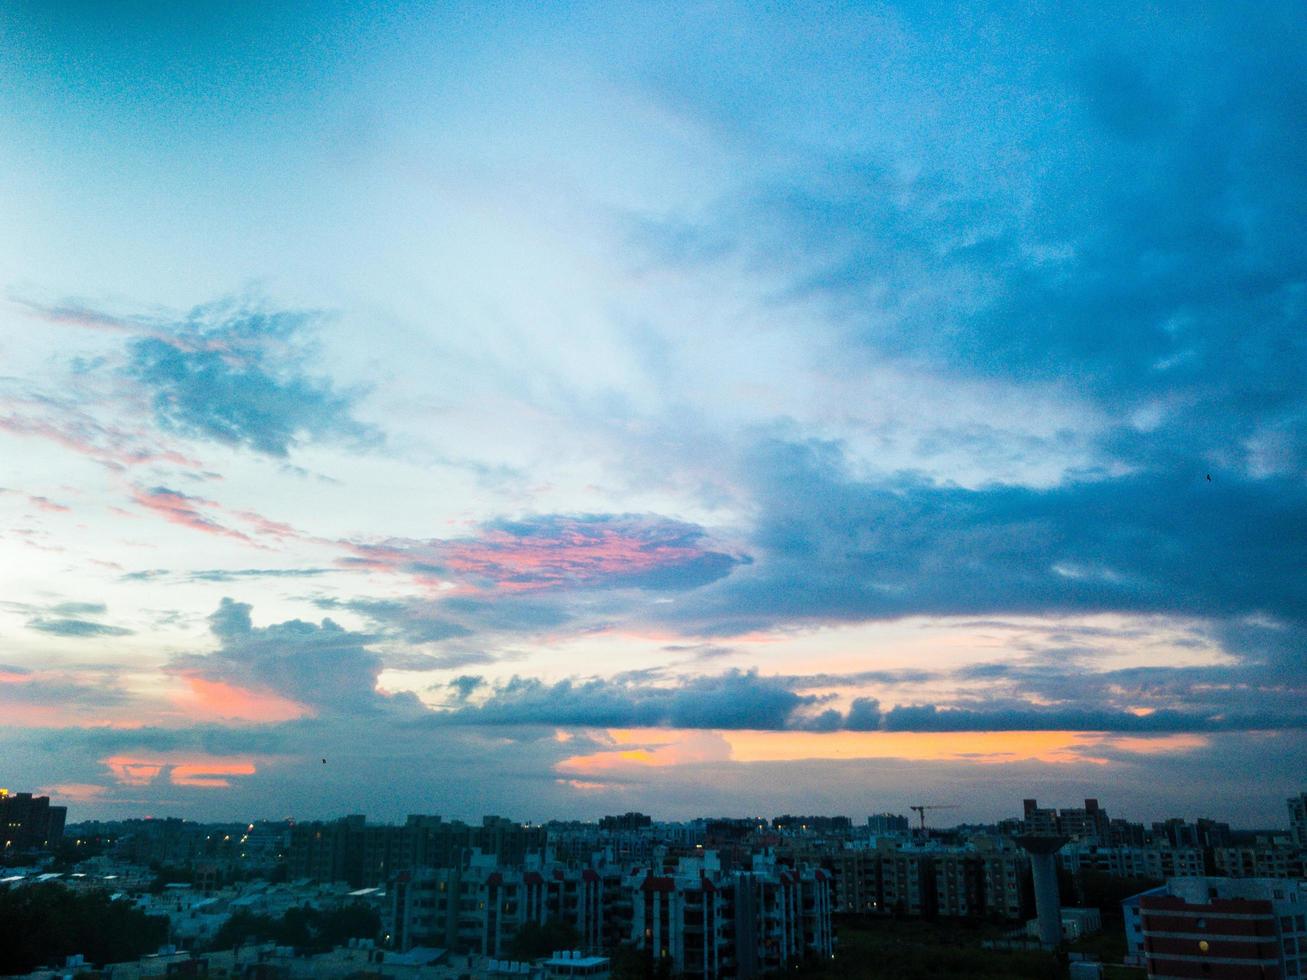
point(921, 808)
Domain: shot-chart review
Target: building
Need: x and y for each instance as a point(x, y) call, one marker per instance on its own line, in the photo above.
point(1087, 823)
point(480, 907)
point(1132, 914)
point(29, 823)
point(712, 923)
point(367, 856)
point(629, 821)
point(1038, 821)
point(1076, 923)
point(888, 825)
point(1259, 861)
point(1153, 862)
point(566, 964)
point(1233, 928)
point(1298, 819)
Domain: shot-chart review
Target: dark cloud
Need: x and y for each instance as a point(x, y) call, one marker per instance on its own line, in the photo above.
point(464, 686)
point(831, 546)
point(930, 718)
point(745, 700)
point(77, 696)
point(320, 665)
point(235, 373)
point(222, 575)
point(76, 628)
point(734, 700)
point(79, 608)
point(413, 620)
point(864, 715)
point(445, 660)
point(219, 575)
point(1123, 221)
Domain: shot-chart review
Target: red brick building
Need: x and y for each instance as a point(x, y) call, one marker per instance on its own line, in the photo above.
point(1232, 938)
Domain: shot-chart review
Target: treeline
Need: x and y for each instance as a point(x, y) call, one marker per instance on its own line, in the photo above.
point(43, 924)
point(307, 929)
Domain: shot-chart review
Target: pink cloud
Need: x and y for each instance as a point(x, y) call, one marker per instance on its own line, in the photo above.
point(113, 448)
point(180, 508)
point(549, 552)
point(89, 319)
point(198, 514)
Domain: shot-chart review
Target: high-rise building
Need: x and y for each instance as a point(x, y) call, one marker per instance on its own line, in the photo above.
point(1298, 819)
point(883, 824)
point(29, 823)
point(366, 855)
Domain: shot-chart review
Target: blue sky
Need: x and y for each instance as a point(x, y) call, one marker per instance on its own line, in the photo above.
point(559, 410)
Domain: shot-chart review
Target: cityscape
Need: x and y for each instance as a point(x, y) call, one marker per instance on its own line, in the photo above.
point(1047, 892)
point(631, 490)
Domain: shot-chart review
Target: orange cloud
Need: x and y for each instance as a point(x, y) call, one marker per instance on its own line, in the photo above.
point(133, 772)
point(214, 699)
point(182, 769)
point(650, 747)
point(657, 748)
point(211, 774)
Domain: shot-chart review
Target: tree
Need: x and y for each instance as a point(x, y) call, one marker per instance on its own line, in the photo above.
point(534, 939)
point(244, 927)
point(354, 921)
point(302, 928)
point(42, 924)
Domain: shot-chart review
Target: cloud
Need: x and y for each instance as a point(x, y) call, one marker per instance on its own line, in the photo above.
point(79, 608)
point(864, 715)
point(183, 509)
point(38, 501)
point(746, 700)
point(1031, 718)
point(222, 575)
point(323, 666)
point(413, 620)
point(197, 513)
point(833, 547)
point(1150, 214)
point(233, 372)
point(731, 700)
point(178, 769)
point(557, 551)
point(76, 628)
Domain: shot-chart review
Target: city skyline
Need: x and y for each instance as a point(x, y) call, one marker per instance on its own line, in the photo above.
point(566, 411)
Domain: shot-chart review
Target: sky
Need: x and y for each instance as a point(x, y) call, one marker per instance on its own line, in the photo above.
point(553, 410)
